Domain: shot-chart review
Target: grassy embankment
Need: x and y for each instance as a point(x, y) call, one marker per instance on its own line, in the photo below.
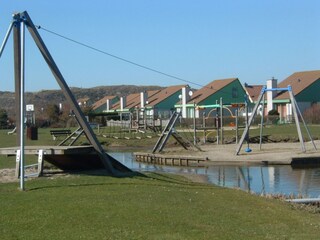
point(154, 206)
point(145, 207)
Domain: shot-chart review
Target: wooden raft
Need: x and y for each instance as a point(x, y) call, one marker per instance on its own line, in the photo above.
point(170, 160)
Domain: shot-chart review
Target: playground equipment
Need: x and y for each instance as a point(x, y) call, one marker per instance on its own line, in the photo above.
point(139, 120)
point(129, 125)
point(218, 118)
point(20, 21)
point(295, 110)
point(12, 131)
point(169, 131)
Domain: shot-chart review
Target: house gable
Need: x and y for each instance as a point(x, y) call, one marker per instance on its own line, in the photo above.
point(310, 94)
point(233, 92)
point(253, 91)
point(168, 103)
point(300, 82)
point(100, 105)
point(166, 98)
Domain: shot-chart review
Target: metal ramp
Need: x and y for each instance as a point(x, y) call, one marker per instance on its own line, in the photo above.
point(170, 131)
point(72, 138)
point(185, 143)
point(20, 22)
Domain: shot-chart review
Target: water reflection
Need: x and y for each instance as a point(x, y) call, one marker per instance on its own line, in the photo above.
point(280, 179)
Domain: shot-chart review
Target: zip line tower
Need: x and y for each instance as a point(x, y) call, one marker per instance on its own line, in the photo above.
point(20, 22)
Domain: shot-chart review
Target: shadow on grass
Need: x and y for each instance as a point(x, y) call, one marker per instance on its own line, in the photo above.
point(161, 180)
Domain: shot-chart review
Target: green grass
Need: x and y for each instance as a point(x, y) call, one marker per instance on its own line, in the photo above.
point(152, 207)
point(284, 132)
point(155, 206)
point(287, 131)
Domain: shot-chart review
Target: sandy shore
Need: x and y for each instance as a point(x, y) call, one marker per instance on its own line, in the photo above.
point(270, 153)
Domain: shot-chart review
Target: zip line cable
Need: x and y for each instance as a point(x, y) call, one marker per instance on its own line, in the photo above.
point(125, 60)
point(119, 58)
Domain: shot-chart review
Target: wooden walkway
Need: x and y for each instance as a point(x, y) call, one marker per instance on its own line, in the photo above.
point(50, 150)
point(170, 160)
point(63, 157)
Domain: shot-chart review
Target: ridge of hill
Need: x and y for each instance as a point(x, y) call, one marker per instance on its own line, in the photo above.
point(42, 98)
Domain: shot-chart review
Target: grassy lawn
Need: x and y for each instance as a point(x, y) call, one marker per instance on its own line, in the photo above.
point(154, 206)
point(287, 131)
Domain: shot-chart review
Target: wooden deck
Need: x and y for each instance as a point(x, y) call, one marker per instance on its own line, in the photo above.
point(63, 157)
point(170, 160)
point(50, 150)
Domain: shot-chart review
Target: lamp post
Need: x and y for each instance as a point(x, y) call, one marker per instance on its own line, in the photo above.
point(194, 124)
point(248, 149)
point(22, 107)
point(221, 120)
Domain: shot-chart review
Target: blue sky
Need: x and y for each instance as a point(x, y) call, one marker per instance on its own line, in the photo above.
point(198, 41)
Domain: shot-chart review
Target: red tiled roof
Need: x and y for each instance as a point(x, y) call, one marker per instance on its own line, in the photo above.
point(133, 100)
point(253, 91)
point(102, 101)
point(298, 81)
point(163, 94)
point(210, 89)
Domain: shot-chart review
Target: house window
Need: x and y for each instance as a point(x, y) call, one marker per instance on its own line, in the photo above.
point(234, 92)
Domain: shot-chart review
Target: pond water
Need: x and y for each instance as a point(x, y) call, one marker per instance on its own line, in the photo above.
point(279, 179)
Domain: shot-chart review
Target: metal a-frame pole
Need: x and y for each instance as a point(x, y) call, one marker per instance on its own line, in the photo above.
point(166, 132)
point(6, 38)
point(19, 45)
point(221, 120)
point(22, 106)
point(246, 130)
point(105, 158)
point(17, 71)
point(261, 122)
point(296, 119)
point(305, 125)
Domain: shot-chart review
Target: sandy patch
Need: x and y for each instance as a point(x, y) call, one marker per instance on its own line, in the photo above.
point(8, 175)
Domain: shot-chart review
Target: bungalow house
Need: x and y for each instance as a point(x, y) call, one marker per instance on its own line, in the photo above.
point(162, 104)
point(145, 107)
point(203, 100)
point(105, 104)
point(129, 103)
point(305, 87)
point(155, 103)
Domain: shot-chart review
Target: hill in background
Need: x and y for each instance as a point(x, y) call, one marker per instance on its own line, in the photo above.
point(43, 98)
